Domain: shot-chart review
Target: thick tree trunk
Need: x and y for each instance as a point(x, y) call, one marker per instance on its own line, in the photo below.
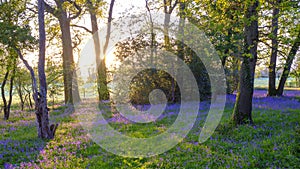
point(288, 65)
point(242, 112)
point(272, 66)
point(6, 114)
point(71, 91)
point(68, 60)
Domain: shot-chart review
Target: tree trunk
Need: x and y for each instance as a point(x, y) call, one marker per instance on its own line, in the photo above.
point(103, 69)
point(97, 50)
point(242, 112)
point(168, 9)
point(228, 39)
point(40, 98)
point(41, 102)
point(180, 45)
point(6, 114)
point(288, 65)
point(272, 66)
point(27, 98)
point(68, 61)
point(103, 93)
point(71, 91)
point(11, 86)
point(20, 93)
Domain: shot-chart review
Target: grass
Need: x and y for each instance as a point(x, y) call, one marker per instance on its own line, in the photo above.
point(273, 142)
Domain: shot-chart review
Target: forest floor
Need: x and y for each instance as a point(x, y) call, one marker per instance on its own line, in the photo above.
point(273, 142)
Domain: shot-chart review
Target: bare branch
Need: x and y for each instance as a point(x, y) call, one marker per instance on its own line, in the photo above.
point(173, 7)
point(82, 27)
point(268, 45)
point(34, 84)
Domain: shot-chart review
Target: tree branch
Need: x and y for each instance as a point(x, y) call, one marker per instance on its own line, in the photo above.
point(77, 7)
point(34, 84)
point(50, 9)
point(82, 27)
point(268, 45)
point(173, 7)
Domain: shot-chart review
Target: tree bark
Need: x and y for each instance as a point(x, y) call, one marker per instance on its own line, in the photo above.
point(273, 58)
point(242, 112)
point(288, 65)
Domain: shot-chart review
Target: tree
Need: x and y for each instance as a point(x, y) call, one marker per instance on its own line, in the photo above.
point(22, 80)
point(8, 18)
point(288, 64)
point(222, 23)
point(242, 112)
point(40, 97)
point(18, 38)
point(168, 10)
point(283, 36)
point(296, 72)
point(54, 74)
point(7, 104)
point(64, 17)
point(100, 61)
point(273, 59)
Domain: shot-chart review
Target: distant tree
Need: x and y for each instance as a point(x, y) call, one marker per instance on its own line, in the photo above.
point(8, 19)
point(296, 72)
point(288, 64)
point(102, 88)
point(279, 29)
point(10, 69)
point(22, 85)
point(17, 37)
point(54, 74)
point(222, 22)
